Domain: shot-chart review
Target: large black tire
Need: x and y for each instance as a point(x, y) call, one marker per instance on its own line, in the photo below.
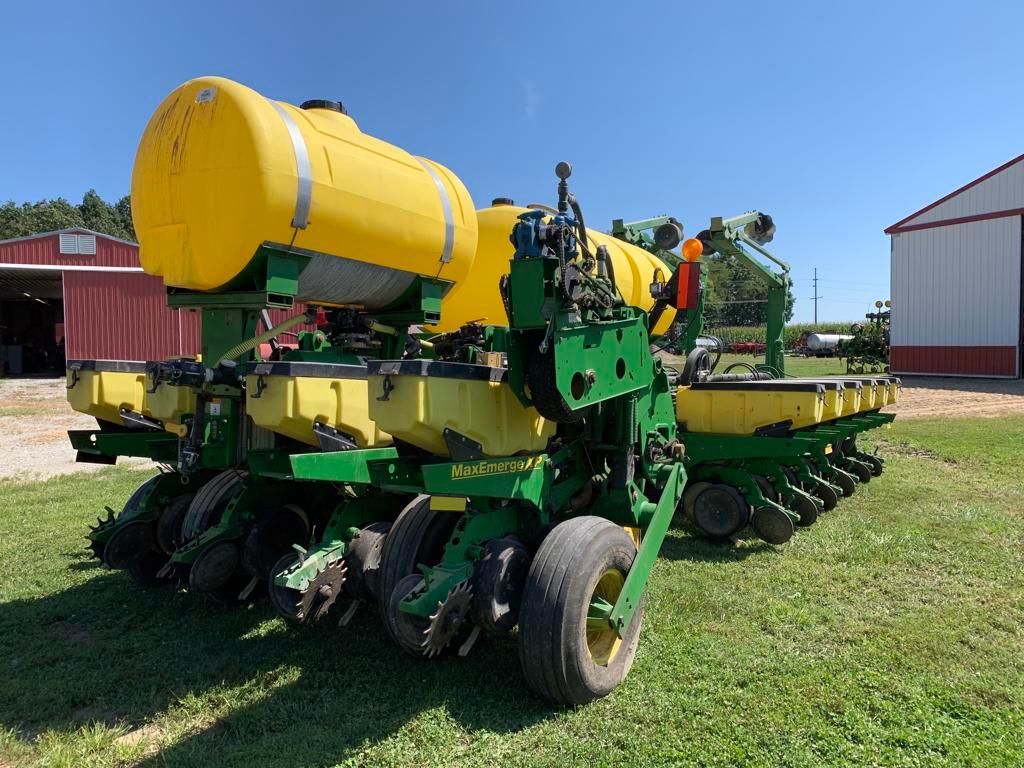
point(418, 535)
point(555, 651)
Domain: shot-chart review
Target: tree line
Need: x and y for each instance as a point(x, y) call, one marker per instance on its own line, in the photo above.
point(114, 219)
point(735, 296)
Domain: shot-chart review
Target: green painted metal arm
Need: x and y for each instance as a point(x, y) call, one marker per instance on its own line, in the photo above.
point(636, 232)
point(158, 446)
point(621, 613)
point(727, 238)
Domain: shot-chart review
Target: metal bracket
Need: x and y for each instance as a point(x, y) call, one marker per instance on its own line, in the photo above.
point(330, 439)
point(135, 420)
point(460, 447)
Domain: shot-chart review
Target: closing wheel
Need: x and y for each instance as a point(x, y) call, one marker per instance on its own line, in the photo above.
point(693, 490)
point(580, 568)
point(272, 536)
point(215, 572)
point(363, 560)
point(846, 483)
point(875, 463)
point(129, 543)
point(418, 536)
point(143, 570)
point(406, 629)
point(773, 525)
point(829, 498)
point(807, 510)
point(287, 602)
point(168, 526)
point(861, 471)
point(123, 554)
point(498, 582)
point(720, 511)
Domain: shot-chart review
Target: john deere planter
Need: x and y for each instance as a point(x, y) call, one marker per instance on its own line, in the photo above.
point(464, 426)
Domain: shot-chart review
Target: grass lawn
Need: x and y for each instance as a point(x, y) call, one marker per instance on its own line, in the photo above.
point(891, 633)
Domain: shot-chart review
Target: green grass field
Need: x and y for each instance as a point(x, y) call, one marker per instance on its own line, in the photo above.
point(891, 633)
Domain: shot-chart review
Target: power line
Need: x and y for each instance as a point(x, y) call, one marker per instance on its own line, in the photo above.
point(816, 296)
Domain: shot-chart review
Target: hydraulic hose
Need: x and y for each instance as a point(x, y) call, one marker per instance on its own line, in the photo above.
point(581, 231)
point(248, 346)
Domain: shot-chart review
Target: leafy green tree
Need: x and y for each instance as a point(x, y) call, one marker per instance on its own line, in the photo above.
point(13, 220)
point(48, 215)
point(735, 296)
point(123, 214)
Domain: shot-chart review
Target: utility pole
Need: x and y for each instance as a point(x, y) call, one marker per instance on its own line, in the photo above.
point(816, 296)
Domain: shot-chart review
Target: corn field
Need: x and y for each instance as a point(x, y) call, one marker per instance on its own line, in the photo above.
point(731, 334)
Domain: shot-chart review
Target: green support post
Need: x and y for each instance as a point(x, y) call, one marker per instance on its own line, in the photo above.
point(621, 614)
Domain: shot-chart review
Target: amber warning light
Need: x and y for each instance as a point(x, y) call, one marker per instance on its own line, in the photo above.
point(692, 249)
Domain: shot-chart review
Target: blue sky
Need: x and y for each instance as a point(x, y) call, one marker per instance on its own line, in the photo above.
point(836, 118)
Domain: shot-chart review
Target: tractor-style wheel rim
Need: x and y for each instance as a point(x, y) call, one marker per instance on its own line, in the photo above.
point(604, 643)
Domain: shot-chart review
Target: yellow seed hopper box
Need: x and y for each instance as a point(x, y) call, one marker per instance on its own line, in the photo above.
point(755, 407)
point(296, 399)
point(103, 388)
point(428, 403)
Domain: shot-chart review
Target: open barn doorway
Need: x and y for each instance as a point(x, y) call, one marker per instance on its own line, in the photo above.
point(31, 322)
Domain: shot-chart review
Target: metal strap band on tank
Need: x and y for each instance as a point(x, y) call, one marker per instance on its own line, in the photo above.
point(304, 195)
point(446, 205)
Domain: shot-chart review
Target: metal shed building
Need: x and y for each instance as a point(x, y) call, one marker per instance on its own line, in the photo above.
point(957, 281)
point(81, 294)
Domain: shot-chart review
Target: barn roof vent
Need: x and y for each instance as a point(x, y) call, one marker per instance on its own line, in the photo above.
point(72, 244)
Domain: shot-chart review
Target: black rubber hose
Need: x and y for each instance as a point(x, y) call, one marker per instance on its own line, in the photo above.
point(581, 228)
point(748, 366)
point(756, 376)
